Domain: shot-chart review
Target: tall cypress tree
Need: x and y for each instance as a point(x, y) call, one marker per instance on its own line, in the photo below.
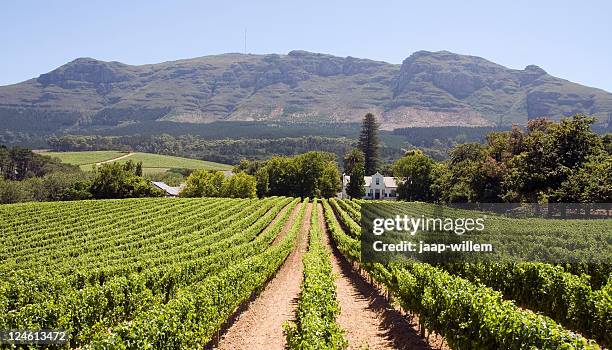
point(354, 168)
point(369, 143)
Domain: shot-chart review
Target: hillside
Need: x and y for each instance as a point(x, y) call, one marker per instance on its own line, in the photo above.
point(151, 163)
point(427, 89)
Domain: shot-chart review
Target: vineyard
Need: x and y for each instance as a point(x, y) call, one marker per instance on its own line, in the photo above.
point(496, 306)
point(145, 273)
point(163, 273)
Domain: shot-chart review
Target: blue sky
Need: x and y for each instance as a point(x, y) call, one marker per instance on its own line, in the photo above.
point(569, 39)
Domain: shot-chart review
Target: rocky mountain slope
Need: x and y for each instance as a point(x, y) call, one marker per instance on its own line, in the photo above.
point(427, 89)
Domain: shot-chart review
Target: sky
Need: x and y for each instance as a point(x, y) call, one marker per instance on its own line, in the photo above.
point(568, 39)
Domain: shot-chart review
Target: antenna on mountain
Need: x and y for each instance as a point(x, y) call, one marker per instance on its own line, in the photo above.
point(245, 32)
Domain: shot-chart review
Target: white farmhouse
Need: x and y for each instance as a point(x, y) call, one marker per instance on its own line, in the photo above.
point(376, 187)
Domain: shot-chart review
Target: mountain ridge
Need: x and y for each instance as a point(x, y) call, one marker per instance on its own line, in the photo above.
point(428, 89)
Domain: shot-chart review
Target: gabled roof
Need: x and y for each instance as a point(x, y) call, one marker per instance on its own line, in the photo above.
point(389, 181)
point(173, 191)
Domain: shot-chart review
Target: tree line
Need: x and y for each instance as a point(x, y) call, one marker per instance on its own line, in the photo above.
point(547, 161)
point(312, 174)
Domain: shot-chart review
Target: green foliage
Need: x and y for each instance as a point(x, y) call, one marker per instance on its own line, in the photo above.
point(240, 185)
point(456, 180)
point(14, 192)
point(317, 309)
point(172, 178)
point(157, 271)
point(328, 183)
point(470, 316)
point(551, 162)
point(20, 163)
point(413, 173)
point(263, 182)
point(369, 143)
point(203, 183)
point(354, 167)
point(312, 174)
point(33, 177)
point(116, 180)
point(60, 182)
point(60, 186)
point(250, 167)
point(607, 143)
point(590, 183)
point(549, 289)
point(552, 153)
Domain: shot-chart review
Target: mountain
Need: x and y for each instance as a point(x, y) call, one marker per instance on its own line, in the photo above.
point(427, 89)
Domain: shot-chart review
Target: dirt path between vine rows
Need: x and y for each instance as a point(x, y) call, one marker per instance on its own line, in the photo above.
point(367, 317)
point(260, 326)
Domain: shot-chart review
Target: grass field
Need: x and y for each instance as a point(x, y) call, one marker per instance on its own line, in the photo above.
point(85, 158)
point(151, 163)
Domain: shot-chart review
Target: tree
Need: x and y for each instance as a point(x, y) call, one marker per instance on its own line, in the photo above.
point(282, 177)
point(474, 172)
point(263, 183)
point(249, 166)
point(516, 141)
point(14, 192)
point(20, 163)
point(413, 173)
point(607, 143)
point(574, 141)
point(453, 180)
point(486, 180)
point(306, 175)
point(61, 186)
point(328, 183)
point(310, 167)
point(466, 152)
point(354, 167)
point(590, 184)
point(138, 169)
point(552, 153)
point(203, 183)
point(240, 185)
point(116, 180)
point(441, 182)
point(369, 143)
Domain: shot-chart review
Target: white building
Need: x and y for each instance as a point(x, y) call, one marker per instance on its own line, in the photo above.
point(376, 187)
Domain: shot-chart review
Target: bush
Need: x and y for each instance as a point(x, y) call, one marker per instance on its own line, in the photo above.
point(116, 180)
point(203, 183)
